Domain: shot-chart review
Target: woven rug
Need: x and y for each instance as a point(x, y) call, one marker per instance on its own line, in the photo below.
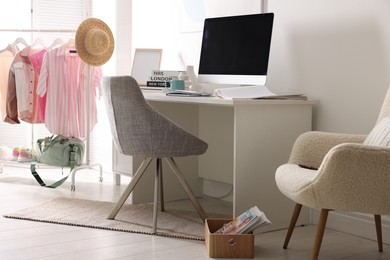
point(131, 218)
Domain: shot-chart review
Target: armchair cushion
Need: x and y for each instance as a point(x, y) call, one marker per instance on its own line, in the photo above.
point(380, 135)
point(311, 147)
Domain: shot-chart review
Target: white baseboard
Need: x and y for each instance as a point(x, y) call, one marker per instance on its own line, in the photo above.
point(361, 225)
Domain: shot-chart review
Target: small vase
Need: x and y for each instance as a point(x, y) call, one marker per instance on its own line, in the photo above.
point(193, 79)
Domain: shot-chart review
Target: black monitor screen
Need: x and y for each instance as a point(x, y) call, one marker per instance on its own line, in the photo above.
point(236, 45)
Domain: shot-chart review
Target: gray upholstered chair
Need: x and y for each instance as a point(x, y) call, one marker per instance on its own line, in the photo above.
point(331, 171)
point(140, 130)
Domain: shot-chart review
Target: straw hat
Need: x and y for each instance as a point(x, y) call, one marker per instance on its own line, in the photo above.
point(94, 42)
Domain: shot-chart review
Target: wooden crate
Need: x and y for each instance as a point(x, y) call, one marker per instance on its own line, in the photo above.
point(227, 246)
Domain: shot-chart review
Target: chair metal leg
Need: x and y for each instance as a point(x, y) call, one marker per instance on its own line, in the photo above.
point(320, 233)
point(293, 222)
point(159, 169)
point(137, 176)
point(378, 226)
point(156, 190)
point(186, 188)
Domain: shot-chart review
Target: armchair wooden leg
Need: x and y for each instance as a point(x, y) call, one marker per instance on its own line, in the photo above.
point(186, 188)
point(320, 233)
point(378, 226)
point(293, 222)
point(137, 176)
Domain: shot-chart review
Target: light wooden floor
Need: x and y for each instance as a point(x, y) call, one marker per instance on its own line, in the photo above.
point(32, 240)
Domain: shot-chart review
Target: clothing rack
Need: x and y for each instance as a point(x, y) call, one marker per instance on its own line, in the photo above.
point(39, 30)
point(47, 31)
point(87, 157)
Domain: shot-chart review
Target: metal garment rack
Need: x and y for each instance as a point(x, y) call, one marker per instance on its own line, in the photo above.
point(87, 165)
point(39, 30)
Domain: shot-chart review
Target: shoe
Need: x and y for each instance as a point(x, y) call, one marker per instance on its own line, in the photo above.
point(5, 153)
point(15, 154)
point(25, 155)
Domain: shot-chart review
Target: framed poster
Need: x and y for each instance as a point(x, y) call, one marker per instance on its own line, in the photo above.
point(145, 60)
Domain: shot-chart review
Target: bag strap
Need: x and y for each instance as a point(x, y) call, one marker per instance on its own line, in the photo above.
point(72, 162)
point(42, 183)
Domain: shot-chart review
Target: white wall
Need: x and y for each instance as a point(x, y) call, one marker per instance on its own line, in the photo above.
point(176, 26)
point(337, 52)
point(123, 37)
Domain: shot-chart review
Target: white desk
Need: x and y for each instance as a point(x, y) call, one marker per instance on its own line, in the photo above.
point(248, 140)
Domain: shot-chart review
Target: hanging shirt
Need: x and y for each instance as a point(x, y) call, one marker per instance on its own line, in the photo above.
point(6, 57)
point(64, 78)
point(36, 60)
point(21, 93)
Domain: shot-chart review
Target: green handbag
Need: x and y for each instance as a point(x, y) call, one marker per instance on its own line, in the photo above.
point(58, 151)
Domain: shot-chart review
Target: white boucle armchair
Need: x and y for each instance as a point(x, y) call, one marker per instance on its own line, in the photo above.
point(343, 172)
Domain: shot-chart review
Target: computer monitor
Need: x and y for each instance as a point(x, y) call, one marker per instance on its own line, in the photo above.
point(235, 49)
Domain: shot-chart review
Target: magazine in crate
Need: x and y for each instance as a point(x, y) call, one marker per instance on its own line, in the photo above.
point(245, 223)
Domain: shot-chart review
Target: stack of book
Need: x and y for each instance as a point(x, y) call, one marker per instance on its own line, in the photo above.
point(245, 223)
point(161, 78)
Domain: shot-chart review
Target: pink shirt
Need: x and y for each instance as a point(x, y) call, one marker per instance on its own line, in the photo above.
point(64, 78)
point(36, 60)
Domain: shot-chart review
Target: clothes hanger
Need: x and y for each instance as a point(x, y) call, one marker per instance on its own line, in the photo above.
point(57, 42)
point(70, 42)
point(38, 44)
point(21, 41)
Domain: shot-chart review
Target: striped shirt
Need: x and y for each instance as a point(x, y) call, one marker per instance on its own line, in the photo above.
point(64, 79)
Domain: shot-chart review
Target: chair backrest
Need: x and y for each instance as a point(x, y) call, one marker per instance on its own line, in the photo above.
point(385, 110)
point(139, 129)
